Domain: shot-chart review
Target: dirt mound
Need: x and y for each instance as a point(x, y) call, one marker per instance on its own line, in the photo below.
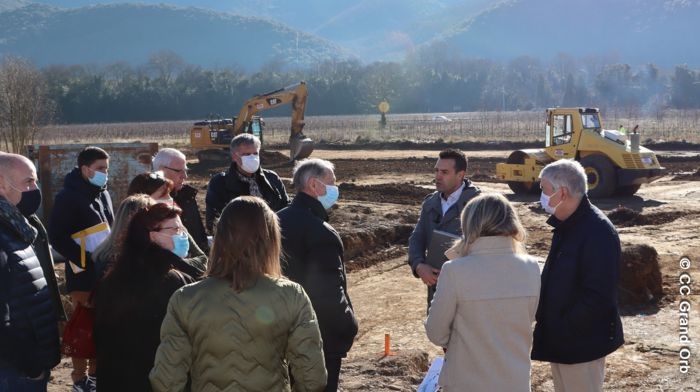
point(360, 242)
point(640, 276)
point(417, 145)
point(272, 158)
point(670, 146)
point(384, 193)
point(693, 176)
point(626, 217)
point(400, 372)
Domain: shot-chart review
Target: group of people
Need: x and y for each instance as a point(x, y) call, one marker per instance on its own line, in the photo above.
point(483, 302)
point(170, 311)
point(265, 305)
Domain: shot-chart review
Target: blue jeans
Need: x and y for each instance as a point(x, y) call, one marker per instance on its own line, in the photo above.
point(11, 380)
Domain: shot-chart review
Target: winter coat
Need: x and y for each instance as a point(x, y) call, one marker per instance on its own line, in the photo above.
point(43, 252)
point(239, 341)
point(314, 253)
point(226, 186)
point(577, 317)
point(483, 311)
point(431, 218)
point(29, 339)
point(186, 199)
point(128, 314)
point(78, 206)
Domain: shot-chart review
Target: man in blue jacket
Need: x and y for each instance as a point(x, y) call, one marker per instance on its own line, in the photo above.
point(578, 322)
point(29, 343)
point(80, 219)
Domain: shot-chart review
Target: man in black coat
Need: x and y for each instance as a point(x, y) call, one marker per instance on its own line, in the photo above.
point(29, 341)
point(315, 260)
point(173, 163)
point(244, 177)
point(578, 322)
point(80, 219)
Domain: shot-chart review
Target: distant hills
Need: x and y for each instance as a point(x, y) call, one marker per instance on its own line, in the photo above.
point(303, 32)
point(126, 32)
point(663, 32)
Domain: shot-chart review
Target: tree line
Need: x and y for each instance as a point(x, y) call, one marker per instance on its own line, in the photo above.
point(435, 79)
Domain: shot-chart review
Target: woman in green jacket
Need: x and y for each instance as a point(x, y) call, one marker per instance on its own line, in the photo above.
point(244, 327)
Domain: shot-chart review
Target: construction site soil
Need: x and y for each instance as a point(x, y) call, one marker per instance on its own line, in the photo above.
point(381, 190)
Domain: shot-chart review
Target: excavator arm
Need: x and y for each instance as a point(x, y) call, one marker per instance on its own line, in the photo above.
point(300, 146)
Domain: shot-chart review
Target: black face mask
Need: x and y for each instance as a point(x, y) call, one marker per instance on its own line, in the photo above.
point(29, 202)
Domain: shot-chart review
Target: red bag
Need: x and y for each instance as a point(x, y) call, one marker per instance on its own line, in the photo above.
point(77, 337)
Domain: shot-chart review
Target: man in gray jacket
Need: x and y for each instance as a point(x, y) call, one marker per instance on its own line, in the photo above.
point(440, 211)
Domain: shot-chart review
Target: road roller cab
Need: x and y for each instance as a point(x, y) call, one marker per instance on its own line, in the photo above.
point(615, 164)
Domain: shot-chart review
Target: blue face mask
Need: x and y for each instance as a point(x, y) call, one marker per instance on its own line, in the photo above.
point(99, 179)
point(330, 197)
point(181, 245)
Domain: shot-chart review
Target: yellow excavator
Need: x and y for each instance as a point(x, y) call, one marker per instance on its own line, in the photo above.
point(211, 138)
point(615, 163)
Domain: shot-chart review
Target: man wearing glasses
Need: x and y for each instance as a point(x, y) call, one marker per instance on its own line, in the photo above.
point(173, 163)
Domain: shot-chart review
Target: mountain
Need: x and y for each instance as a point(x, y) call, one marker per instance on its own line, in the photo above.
point(7, 5)
point(371, 29)
point(133, 32)
point(631, 31)
point(302, 32)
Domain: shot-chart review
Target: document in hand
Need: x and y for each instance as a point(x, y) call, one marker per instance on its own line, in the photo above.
point(440, 241)
point(430, 382)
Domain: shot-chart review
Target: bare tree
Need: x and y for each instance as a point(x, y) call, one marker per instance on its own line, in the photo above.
point(24, 103)
point(166, 64)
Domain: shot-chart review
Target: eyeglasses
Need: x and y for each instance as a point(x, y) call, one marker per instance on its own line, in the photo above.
point(178, 229)
point(176, 170)
point(158, 175)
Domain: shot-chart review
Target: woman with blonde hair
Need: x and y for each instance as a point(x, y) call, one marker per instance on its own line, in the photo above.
point(244, 327)
point(485, 304)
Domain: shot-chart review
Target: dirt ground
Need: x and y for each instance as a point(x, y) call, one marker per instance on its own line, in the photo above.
point(380, 196)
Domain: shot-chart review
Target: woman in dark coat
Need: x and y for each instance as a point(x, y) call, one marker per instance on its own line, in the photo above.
point(132, 298)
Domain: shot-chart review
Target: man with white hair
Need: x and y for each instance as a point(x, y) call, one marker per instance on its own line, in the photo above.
point(315, 259)
point(578, 322)
point(173, 164)
point(244, 177)
point(29, 339)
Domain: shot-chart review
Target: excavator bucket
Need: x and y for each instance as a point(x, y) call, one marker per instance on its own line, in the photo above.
point(300, 147)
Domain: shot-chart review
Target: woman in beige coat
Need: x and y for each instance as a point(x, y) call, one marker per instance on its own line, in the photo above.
point(485, 304)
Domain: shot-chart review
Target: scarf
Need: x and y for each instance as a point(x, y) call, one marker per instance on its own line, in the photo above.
point(14, 220)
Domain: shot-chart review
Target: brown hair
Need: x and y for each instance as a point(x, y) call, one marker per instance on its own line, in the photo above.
point(247, 243)
point(110, 248)
point(147, 183)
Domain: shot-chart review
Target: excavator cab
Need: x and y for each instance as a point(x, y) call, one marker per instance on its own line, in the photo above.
point(205, 135)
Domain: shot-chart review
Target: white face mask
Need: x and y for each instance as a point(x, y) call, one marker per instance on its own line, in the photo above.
point(250, 163)
point(544, 201)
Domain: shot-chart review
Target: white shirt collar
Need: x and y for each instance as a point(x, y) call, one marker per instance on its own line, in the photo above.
point(451, 199)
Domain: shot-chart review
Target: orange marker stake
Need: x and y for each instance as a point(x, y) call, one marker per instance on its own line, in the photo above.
point(387, 345)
